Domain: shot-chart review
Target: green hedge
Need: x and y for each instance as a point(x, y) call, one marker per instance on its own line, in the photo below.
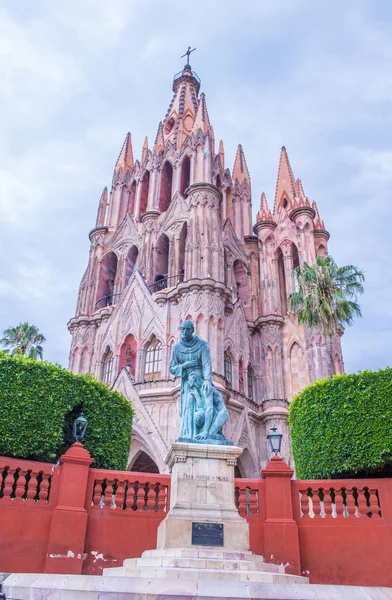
point(38, 402)
point(343, 425)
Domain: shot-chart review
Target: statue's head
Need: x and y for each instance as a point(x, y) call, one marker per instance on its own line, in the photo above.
point(187, 330)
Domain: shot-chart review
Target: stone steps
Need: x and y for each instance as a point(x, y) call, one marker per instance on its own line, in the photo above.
point(31, 586)
point(203, 552)
point(200, 574)
point(202, 563)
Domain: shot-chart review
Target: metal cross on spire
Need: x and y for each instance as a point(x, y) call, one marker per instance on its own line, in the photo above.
point(187, 53)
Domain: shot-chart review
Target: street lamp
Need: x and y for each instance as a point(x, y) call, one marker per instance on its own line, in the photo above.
point(79, 428)
point(275, 440)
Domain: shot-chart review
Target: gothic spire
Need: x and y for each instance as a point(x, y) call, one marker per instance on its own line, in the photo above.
point(318, 223)
point(159, 140)
point(240, 169)
point(144, 149)
point(285, 184)
point(202, 120)
point(299, 189)
point(103, 202)
point(264, 213)
point(125, 158)
point(300, 199)
point(222, 155)
point(181, 113)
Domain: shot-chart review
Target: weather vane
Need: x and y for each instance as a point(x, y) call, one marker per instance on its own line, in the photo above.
point(187, 53)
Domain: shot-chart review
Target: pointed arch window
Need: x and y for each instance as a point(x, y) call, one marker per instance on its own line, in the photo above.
point(250, 383)
point(153, 361)
point(228, 369)
point(107, 367)
point(144, 192)
point(166, 186)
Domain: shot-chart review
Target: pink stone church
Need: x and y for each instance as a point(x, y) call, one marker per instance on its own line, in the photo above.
point(174, 240)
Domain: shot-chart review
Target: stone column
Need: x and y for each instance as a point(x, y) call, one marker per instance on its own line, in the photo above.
point(153, 191)
point(288, 272)
point(139, 367)
point(115, 206)
point(176, 177)
point(136, 211)
point(165, 361)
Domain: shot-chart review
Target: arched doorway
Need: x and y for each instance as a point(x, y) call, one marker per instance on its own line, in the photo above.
point(143, 463)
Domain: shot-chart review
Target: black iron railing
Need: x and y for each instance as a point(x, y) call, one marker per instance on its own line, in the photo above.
point(181, 73)
point(163, 281)
point(106, 301)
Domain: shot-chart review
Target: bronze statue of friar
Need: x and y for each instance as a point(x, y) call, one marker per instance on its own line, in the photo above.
point(202, 408)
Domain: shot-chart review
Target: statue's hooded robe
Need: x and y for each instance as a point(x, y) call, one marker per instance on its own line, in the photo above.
point(195, 350)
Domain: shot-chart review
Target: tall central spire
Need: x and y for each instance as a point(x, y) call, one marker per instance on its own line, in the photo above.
point(180, 117)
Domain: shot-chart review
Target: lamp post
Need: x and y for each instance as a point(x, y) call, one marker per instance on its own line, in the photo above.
point(275, 440)
point(79, 428)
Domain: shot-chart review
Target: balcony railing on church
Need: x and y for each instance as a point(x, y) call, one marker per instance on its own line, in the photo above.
point(181, 73)
point(163, 282)
point(106, 301)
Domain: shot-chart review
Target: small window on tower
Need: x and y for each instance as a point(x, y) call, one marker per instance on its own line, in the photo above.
point(107, 367)
point(153, 361)
point(228, 369)
point(285, 203)
point(169, 125)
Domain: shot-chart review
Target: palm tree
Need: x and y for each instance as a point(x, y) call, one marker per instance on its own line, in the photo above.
point(25, 340)
point(326, 297)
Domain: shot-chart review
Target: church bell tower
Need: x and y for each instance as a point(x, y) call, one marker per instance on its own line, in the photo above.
point(174, 239)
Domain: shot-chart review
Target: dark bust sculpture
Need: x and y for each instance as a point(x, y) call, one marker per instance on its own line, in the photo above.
point(203, 411)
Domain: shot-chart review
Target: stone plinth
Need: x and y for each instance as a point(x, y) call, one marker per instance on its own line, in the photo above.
point(202, 491)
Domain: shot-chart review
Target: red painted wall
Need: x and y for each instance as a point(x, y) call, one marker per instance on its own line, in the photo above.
point(341, 547)
point(25, 515)
point(72, 519)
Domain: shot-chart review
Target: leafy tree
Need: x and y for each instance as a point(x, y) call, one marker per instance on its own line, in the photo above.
point(25, 340)
point(342, 426)
point(326, 297)
point(39, 402)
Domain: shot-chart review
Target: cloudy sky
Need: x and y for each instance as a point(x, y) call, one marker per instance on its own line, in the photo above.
point(75, 76)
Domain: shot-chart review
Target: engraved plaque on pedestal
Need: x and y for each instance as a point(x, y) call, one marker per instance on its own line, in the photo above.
point(207, 534)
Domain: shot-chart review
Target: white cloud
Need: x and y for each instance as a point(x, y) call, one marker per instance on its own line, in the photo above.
point(77, 75)
point(35, 76)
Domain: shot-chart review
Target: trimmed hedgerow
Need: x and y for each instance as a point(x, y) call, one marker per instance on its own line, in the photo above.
point(38, 402)
point(342, 425)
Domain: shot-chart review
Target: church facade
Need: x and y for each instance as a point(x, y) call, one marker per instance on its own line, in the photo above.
point(174, 240)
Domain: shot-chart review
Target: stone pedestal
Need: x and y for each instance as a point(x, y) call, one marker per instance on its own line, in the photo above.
point(203, 537)
point(202, 492)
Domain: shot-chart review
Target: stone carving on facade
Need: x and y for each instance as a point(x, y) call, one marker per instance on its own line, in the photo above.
point(271, 335)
